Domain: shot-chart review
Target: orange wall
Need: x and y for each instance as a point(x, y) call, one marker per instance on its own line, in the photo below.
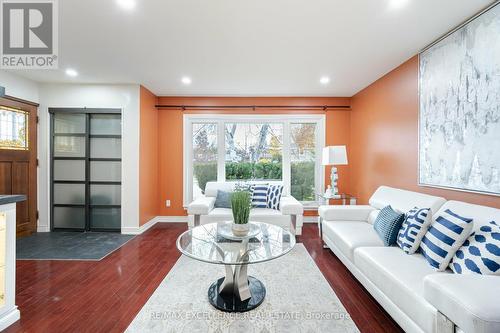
point(170, 162)
point(338, 130)
point(384, 138)
point(148, 152)
point(170, 136)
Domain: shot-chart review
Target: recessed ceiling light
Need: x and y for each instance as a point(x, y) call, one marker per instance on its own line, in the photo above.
point(397, 4)
point(186, 80)
point(126, 4)
point(324, 80)
point(71, 72)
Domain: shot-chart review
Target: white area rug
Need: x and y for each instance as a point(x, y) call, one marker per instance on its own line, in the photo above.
point(298, 299)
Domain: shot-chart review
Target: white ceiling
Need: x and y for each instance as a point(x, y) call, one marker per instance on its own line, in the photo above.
point(247, 47)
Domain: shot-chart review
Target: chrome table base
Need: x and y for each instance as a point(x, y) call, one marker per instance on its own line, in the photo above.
point(237, 292)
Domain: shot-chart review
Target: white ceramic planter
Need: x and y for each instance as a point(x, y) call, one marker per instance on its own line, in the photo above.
point(240, 230)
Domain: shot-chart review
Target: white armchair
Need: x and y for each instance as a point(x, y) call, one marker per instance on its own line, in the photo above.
point(203, 210)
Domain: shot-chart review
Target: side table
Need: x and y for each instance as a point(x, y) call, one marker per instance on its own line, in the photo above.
point(345, 199)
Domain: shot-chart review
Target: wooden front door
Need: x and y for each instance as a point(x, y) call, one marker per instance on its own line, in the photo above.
point(18, 163)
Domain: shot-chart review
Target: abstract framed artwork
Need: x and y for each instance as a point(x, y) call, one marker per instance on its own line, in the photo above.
point(459, 121)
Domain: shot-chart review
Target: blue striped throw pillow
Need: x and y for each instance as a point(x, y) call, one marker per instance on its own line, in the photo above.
point(259, 195)
point(480, 253)
point(445, 236)
point(414, 227)
point(387, 225)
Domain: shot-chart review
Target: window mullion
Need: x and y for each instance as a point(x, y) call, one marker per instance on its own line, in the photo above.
point(221, 151)
point(320, 143)
point(286, 157)
point(188, 162)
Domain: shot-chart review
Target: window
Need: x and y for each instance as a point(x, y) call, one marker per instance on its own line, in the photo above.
point(254, 151)
point(204, 156)
point(13, 129)
point(254, 147)
point(303, 161)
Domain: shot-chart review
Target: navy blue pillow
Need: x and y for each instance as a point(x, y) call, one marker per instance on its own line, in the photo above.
point(223, 199)
point(387, 225)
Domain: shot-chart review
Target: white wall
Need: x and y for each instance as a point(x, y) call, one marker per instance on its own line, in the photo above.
point(125, 97)
point(19, 87)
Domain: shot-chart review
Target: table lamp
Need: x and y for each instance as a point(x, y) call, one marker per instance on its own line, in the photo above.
point(334, 155)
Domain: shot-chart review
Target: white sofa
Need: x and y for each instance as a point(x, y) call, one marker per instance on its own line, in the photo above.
point(202, 210)
point(417, 297)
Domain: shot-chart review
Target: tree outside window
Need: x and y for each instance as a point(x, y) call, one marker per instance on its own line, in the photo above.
point(254, 151)
point(204, 157)
point(303, 161)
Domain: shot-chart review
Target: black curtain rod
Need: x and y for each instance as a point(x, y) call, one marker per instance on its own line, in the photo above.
point(253, 107)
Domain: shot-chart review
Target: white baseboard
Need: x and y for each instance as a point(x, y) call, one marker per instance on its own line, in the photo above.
point(42, 228)
point(139, 230)
point(310, 219)
point(152, 222)
point(172, 219)
point(9, 318)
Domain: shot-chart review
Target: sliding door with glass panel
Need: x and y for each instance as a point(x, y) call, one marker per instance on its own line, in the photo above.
point(85, 169)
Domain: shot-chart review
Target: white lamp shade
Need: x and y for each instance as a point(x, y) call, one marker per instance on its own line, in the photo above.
point(334, 155)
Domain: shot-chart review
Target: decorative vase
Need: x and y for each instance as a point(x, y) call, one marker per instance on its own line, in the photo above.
point(240, 230)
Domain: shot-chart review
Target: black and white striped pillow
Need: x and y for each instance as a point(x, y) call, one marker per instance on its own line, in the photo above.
point(259, 195)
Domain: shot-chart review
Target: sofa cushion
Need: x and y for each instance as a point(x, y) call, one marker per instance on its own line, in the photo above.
point(402, 201)
point(271, 216)
point(265, 215)
point(401, 278)
point(373, 216)
point(470, 301)
point(264, 212)
point(414, 227)
point(482, 215)
point(223, 212)
point(223, 199)
point(349, 235)
point(345, 213)
point(445, 236)
point(212, 187)
point(480, 253)
point(387, 225)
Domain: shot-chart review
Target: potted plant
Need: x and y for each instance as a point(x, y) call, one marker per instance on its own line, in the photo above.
point(240, 205)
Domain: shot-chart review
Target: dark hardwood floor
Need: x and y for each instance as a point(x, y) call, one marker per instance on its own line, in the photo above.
point(105, 296)
point(368, 315)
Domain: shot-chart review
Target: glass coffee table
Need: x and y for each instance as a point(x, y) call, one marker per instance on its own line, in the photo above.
point(236, 291)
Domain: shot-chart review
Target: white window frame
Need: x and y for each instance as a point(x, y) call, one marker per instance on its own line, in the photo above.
point(222, 119)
